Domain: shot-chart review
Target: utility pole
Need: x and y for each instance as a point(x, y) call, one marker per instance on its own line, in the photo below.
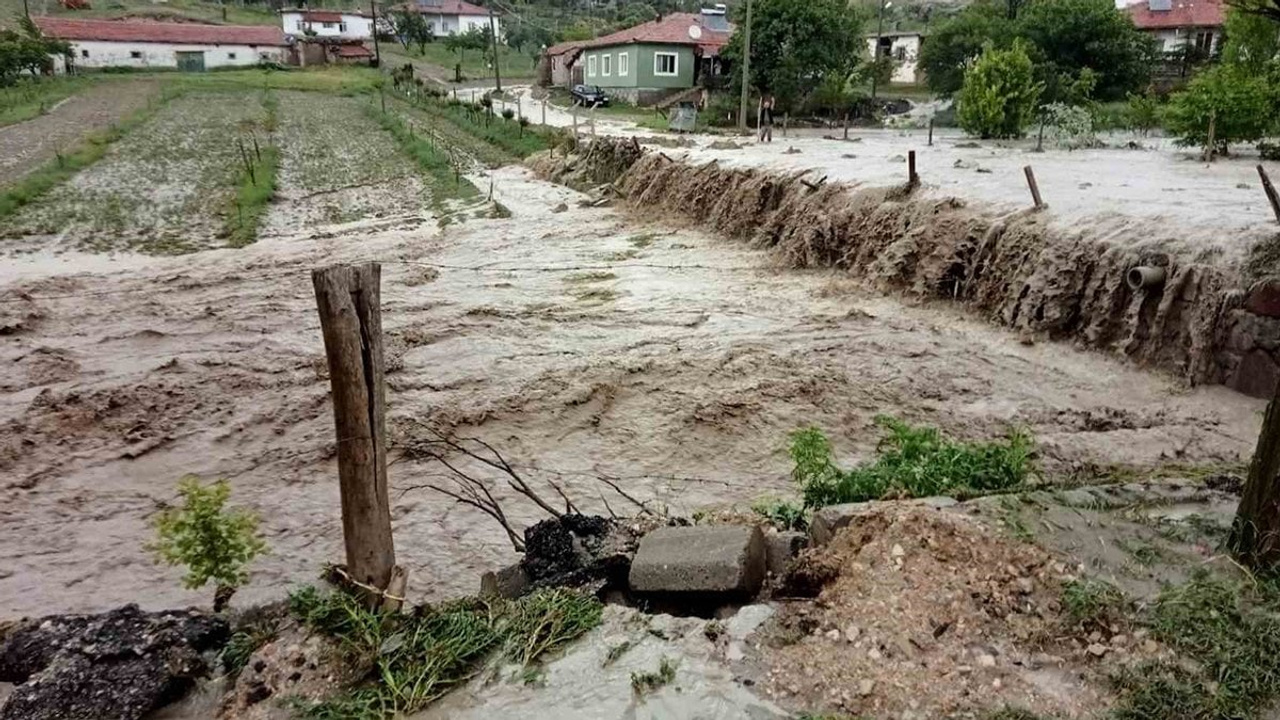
point(746, 73)
point(493, 33)
point(875, 54)
point(377, 51)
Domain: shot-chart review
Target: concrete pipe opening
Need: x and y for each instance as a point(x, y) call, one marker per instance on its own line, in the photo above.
point(1145, 277)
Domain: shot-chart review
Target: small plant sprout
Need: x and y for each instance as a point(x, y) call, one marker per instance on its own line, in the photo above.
point(212, 541)
point(646, 682)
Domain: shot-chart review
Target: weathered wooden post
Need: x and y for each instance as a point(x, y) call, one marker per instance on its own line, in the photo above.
point(1272, 196)
point(930, 132)
point(1035, 187)
point(846, 126)
point(1255, 535)
point(912, 178)
point(544, 111)
point(349, 302)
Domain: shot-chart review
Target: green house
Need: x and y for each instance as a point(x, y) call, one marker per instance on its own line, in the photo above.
point(649, 62)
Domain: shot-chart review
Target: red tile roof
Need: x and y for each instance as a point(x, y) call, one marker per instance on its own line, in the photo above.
point(449, 7)
point(672, 29)
point(322, 16)
point(354, 51)
point(1184, 13)
point(160, 32)
point(564, 47)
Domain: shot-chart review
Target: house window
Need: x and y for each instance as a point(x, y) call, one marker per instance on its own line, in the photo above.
point(900, 53)
point(591, 66)
point(624, 64)
point(1204, 42)
point(135, 54)
point(666, 64)
point(606, 65)
point(231, 56)
point(327, 26)
point(342, 27)
point(84, 53)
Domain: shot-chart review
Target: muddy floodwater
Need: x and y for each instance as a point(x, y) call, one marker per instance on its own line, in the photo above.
point(580, 343)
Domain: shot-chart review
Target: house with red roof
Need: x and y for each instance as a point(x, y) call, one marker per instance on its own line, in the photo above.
point(653, 60)
point(347, 25)
point(149, 44)
point(453, 17)
point(1179, 24)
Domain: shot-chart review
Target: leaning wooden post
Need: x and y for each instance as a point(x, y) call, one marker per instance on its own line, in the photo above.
point(1035, 187)
point(349, 301)
point(1272, 196)
point(1255, 535)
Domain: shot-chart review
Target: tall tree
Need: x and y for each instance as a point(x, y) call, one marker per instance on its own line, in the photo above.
point(1253, 40)
point(958, 42)
point(1078, 34)
point(1269, 9)
point(796, 46)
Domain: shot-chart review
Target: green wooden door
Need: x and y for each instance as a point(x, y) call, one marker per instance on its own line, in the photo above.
point(191, 61)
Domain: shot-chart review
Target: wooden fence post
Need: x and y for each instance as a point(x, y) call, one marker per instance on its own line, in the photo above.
point(846, 126)
point(1035, 187)
point(930, 132)
point(912, 178)
point(1255, 535)
point(349, 302)
point(544, 111)
point(1272, 196)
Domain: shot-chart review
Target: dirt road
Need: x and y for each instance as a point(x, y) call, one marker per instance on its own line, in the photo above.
point(580, 342)
point(30, 144)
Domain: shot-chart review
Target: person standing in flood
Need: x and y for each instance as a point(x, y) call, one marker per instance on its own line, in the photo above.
point(766, 119)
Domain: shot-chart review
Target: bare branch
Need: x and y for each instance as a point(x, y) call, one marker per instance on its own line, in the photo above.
point(623, 493)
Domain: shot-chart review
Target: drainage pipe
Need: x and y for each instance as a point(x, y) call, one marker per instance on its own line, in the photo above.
point(1146, 277)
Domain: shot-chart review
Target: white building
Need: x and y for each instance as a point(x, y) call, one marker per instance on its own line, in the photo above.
point(327, 24)
point(454, 17)
point(185, 46)
point(1181, 23)
point(904, 48)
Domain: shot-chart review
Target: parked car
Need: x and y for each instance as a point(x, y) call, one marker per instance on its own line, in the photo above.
point(589, 96)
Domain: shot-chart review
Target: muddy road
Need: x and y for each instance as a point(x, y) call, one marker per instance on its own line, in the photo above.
point(579, 343)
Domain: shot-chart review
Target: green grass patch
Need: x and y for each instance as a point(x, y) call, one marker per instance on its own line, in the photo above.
point(244, 643)
point(911, 462)
point(254, 191)
point(33, 97)
point(643, 683)
point(1231, 631)
point(513, 64)
point(782, 514)
point(334, 80)
point(89, 151)
point(1090, 602)
point(487, 125)
point(416, 658)
point(444, 171)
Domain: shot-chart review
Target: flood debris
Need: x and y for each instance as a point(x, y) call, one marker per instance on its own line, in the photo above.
point(120, 664)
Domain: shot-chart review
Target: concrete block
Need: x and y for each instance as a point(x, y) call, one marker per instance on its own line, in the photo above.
point(510, 582)
point(781, 548)
point(829, 520)
point(707, 559)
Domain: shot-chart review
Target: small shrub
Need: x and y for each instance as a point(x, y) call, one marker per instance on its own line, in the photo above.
point(1091, 602)
point(244, 643)
point(646, 682)
point(910, 462)
point(1269, 151)
point(211, 541)
point(1072, 126)
point(1142, 114)
point(783, 515)
point(508, 114)
point(999, 95)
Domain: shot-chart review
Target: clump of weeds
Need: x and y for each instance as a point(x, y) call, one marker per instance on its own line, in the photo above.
point(643, 683)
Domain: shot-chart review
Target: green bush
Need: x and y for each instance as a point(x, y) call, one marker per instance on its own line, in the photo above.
point(784, 515)
point(211, 541)
point(999, 95)
point(1071, 126)
point(1240, 104)
point(910, 462)
point(1142, 113)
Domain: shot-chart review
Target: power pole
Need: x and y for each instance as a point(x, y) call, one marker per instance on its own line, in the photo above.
point(377, 51)
point(493, 32)
point(746, 73)
point(875, 54)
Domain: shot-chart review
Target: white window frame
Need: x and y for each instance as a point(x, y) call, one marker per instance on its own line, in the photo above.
point(675, 64)
point(606, 65)
point(624, 64)
point(591, 66)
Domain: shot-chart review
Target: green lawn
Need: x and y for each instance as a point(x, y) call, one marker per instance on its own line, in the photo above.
point(514, 65)
point(34, 97)
point(643, 117)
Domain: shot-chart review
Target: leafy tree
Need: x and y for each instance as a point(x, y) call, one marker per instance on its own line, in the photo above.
point(413, 29)
point(999, 95)
point(473, 39)
point(1078, 34)
point(521, 35)
point(796, 46)
point(577, 31)
point(1142, 114)
point(1239, 104)
point(951, 47)
point(1252, 40)
point(213, 542)
point(1269, 9)
point(28, 51)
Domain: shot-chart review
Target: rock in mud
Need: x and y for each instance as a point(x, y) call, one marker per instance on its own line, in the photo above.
point(121, 665)
point(577, 550)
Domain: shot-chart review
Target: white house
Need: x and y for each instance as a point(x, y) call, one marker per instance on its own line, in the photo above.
point(454, 17)
point(904, 48)
point(186, 46)
point(327, 24)
point(1180, 23)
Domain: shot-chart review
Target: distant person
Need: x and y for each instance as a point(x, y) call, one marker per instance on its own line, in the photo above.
point(766, 119)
